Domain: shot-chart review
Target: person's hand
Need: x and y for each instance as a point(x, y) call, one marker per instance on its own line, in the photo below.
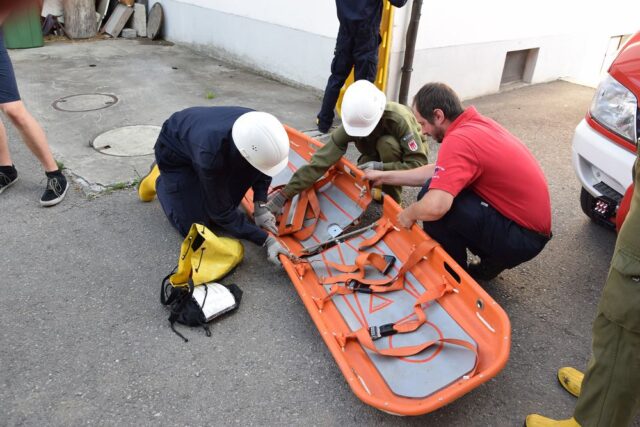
point(274, 248)
point(375, 176)
point(404, 218)
point(276, 202)
point(376, 166)
point(264, 218)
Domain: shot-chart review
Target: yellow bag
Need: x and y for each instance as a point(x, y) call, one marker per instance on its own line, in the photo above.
point(205, 257)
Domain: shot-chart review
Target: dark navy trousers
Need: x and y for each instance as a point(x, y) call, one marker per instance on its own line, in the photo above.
point(474, 224)
point(355, 48)
point(179, 191)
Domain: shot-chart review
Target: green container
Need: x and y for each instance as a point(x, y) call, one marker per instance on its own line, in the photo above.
point(23, 30)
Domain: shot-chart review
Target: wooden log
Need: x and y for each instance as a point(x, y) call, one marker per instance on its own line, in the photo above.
point(80, 18)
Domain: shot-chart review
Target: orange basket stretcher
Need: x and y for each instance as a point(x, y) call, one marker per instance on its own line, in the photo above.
point(410, 330)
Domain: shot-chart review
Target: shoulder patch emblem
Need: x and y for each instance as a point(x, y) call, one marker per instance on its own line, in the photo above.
point(410, 140)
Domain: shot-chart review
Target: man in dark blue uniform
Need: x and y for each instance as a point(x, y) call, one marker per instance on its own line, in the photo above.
point(356, 47)
point(207, 159)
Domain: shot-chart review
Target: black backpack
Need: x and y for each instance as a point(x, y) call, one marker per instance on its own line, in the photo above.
point(186, 310)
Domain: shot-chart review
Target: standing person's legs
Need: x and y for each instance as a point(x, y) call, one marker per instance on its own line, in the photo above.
point(365, 53)
point(12, 106)
point(31, 132)
point(611, 386)
point(340, 69)
point(8, 93)
point(8, 173)
point(610, 394)
point(5, 154)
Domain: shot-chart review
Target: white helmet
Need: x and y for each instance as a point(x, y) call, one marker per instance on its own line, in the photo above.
point(262, 140)
point(362, 107)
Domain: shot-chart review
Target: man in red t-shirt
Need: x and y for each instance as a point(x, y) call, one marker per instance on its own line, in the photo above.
point(485, 193)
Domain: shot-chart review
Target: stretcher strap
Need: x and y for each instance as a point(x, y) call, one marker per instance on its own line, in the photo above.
point(432, 294)
point(381, 230)
point(307, 198)
point(354, 275)
point(364, 338)
point(362, 260)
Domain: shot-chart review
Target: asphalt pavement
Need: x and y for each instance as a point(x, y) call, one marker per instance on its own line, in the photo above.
point(84, 339)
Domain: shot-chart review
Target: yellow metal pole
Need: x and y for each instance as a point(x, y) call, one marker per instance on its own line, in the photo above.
point(384, 53)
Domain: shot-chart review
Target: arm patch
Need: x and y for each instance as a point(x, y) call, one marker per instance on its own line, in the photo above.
point(410, 140)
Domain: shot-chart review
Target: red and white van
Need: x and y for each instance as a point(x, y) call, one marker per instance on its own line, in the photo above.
point(606, 140)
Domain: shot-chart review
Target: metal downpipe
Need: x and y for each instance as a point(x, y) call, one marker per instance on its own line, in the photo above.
point(410, 46)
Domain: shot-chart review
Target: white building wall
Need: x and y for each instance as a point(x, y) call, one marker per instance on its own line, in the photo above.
point(289, 39)
point(463, 45)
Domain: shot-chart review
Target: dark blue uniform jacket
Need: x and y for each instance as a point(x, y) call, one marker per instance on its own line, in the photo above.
point(202, 152)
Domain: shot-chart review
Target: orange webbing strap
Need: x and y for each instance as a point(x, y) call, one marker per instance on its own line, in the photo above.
point(364, 338)
point(308, 198)
point(432, 294)
point(362, 260)
point(381, 230)
point(354, 277)
point(307, 231)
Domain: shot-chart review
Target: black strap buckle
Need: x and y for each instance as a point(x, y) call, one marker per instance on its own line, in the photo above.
point(391, 260)
point(356, 286)
point(381, 331)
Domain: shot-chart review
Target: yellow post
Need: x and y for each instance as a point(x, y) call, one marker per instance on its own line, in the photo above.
point(384, 53)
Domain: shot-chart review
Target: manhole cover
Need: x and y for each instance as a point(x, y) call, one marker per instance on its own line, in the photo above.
point(85, 102)
point(128, 141)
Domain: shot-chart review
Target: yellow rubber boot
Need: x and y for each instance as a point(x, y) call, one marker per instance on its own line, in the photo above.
point(147, 187)
point(571, 380)
point(540, 421)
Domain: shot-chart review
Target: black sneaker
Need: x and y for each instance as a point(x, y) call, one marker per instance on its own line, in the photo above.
point(8, 176)
point(57, 187)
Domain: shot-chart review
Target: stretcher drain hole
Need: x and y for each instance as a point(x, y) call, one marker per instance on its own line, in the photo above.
point(480, 304)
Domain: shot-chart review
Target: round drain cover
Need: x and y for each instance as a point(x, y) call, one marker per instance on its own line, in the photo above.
point(128, 141)
point(85, 102)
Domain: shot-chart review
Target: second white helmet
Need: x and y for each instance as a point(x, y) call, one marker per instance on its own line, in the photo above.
point(262, 140)
point(362, 108)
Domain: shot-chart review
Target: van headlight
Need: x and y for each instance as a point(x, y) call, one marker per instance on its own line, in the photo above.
point(615, 108)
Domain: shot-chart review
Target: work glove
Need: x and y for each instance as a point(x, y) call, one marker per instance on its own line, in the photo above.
point(274, 248)
point(264, 218)
point(376, 166)
point(276, 202)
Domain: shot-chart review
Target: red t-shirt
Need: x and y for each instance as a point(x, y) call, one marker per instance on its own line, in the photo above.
point(479, 154)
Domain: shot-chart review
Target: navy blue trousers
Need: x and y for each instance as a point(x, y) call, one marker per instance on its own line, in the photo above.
point(474, 224)
point(179, 191)
point(354, 49)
